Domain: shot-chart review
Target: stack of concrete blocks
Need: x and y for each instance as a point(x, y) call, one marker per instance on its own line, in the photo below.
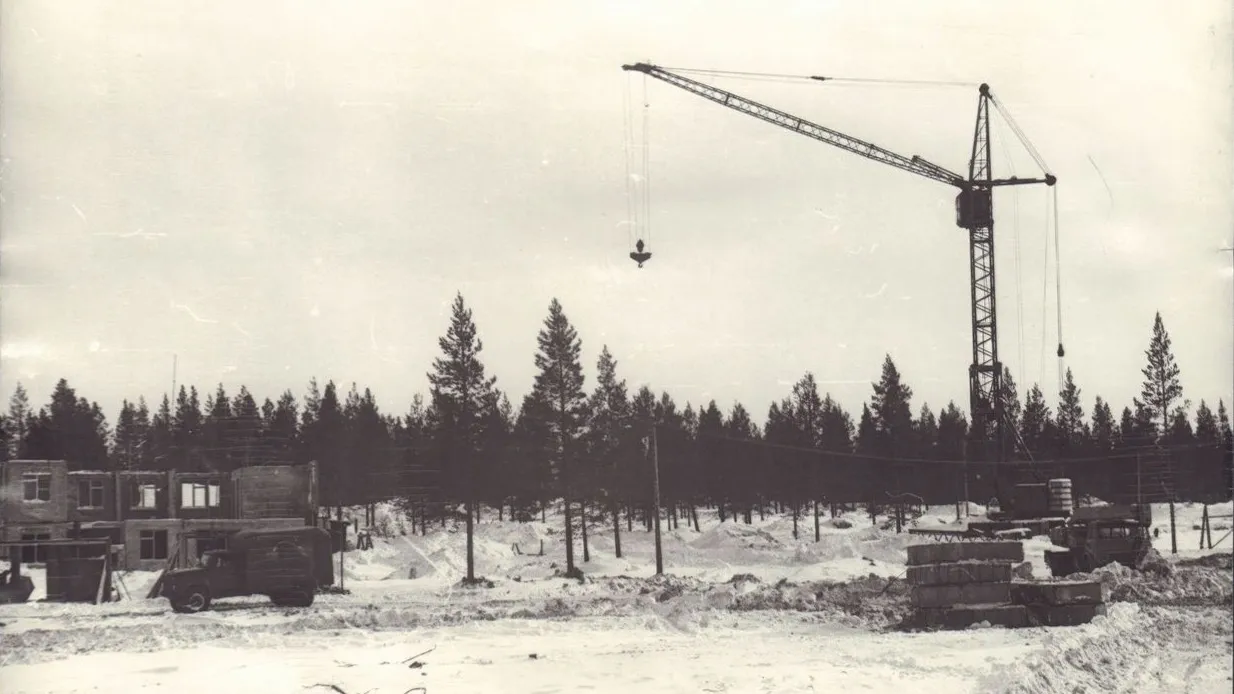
point(958, 584)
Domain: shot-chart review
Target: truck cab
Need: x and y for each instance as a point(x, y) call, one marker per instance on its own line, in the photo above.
point(1099, 536)
point(287, 565)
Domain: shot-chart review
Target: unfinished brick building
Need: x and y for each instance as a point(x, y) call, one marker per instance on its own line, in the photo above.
point(146, 515)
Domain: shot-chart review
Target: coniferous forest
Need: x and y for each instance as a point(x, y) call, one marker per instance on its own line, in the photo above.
point(589, 440)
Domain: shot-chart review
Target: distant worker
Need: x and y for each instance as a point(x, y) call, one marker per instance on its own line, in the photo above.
point(638, 255)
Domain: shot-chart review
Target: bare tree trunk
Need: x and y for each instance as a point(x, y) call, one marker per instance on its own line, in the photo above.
point(629, 518)
point(471, 548)
point(583, 523)
point(694, 516)
point(616, 509)
point(817, 533)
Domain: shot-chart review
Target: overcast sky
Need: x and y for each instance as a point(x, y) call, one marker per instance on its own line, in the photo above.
point(279, 190)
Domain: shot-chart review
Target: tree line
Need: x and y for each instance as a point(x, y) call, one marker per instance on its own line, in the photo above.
point(593, 448)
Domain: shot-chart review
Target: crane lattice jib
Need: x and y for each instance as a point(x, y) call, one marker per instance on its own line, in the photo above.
point(974, 212)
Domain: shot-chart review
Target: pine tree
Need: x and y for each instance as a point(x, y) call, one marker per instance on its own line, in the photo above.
point(186, 433)
point(126, 445)
point(1035, 424)
point(837, 427)
point(324, 442)
point(715, 474)
point(1103, 429)
point(1011, 401)
point(807, 413)
point(952, 433)
point(927, 433)
point(280, 428)
point(370, 467)
point(460, 390)
point(245, 437)
point(559, 386)
point(1072, 430)
point(217, 430)
point(607, 428)
point(1206, 430)
point(17, 423)
point(71, 429)
point(741, 490)
point(892, 412)
point(161, 437)
point(1180, 432)
point(868, 438)
point(1161, 384)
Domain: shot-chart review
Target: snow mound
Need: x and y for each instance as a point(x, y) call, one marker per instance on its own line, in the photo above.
point(1122, 651)
point(736, 536)
point(1200, 584)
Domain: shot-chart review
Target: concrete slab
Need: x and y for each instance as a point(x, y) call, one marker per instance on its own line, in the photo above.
point(967, 594)
point(949, 552)
point(1010, 616)
point(1057, 593)
point(1064, 615)
point(959, 573)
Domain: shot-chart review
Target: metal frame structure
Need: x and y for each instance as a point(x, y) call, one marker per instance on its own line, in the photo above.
point(974, 212)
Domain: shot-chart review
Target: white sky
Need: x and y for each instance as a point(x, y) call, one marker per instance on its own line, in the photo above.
point(274, 191)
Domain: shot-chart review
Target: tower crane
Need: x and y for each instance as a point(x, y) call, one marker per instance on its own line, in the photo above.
point(974, 212)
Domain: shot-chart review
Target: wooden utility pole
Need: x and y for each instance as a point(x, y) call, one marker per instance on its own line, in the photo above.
point(655, 466)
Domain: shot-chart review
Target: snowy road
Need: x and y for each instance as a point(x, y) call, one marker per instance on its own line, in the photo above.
point(746, 653)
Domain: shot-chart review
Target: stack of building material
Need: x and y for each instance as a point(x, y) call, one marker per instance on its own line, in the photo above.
point(958, 584)
point(1060, 603)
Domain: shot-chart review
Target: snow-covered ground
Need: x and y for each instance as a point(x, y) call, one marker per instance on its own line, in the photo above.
point(744, 609)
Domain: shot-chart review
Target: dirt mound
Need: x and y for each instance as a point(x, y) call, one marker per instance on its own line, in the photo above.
point(869, 602)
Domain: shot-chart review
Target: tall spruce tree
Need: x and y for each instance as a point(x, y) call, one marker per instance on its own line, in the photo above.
point(1206, 431)
point(559, 387)
point(1104, 430)
point(892, 410)
point(1161, 387)
point(607, 427)
point(460, 391)
point(1072, 430)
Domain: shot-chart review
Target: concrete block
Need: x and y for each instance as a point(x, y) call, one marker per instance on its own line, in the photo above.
point(959, 573)
point(1057, 593)
point(1010, 616)
point(949, 552)
point(967, 594)
point(1064, 615)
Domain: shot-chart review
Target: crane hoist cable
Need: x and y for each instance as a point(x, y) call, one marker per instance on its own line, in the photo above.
point(1058, 293)
point(1016, 247)
point(638, 197)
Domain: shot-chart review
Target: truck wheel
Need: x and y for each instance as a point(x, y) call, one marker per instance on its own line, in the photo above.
point(192, 600)
point(302, 596)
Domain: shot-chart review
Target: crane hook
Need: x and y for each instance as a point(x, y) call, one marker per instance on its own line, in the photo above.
point(638, 255)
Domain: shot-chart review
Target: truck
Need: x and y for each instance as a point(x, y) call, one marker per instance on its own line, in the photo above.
point(288, 565)
point(1095, 536)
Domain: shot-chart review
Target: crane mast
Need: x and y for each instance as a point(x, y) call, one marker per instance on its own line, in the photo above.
point(974, 212)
